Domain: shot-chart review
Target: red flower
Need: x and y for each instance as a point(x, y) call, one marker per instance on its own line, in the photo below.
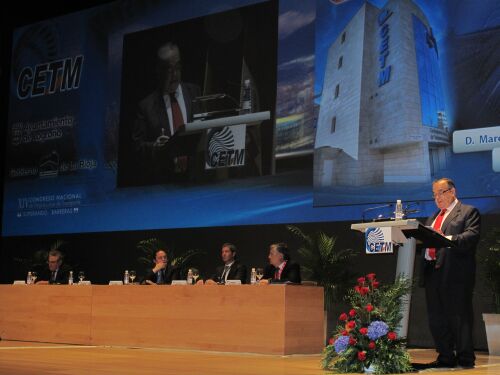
point(352, 313)
point(362, 355)
point(370, 276)
point(361, 289)
point(369, 307)
point(352, 341)
point(375, 284)
point(343, 317)
point(361, 280)
point(351, 324)
point(363, 330)
point(392, 336)
point(371, 345)
point(331, 341)
point(345, 333)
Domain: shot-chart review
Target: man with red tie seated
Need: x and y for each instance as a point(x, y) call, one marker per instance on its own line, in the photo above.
point(448, 275)
point(160, 115)
point(280, 269)
point(231, 270)
point(162, 272)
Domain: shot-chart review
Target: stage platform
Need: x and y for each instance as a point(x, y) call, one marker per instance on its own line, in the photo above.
point(23, 358)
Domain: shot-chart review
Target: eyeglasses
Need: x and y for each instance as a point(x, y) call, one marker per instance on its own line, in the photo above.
point(440, 193)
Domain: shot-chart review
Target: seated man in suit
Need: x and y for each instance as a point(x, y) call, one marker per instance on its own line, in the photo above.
point(280, 269)
point(160, 115)
point(55, 273)
point(231, 270)
point(162, 272)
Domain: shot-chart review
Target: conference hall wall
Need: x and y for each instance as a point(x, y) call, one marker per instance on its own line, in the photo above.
point(368, 102)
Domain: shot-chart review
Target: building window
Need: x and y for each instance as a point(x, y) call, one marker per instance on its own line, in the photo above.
point(343, 38)
point(432, 103)
point(341, 58)
point(334, 124)
point(337, 90)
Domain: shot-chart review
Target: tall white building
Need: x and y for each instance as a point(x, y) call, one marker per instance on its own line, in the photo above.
point(382, 117)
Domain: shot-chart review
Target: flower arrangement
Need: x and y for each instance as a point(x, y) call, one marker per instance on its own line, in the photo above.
point(365, 339)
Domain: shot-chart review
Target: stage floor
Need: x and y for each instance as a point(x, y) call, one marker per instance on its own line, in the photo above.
point(22, 358)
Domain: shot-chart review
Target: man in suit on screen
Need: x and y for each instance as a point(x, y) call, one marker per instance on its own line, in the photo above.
point(448, 275)
point(160, 116)
point(280, 269)
point(232, 269)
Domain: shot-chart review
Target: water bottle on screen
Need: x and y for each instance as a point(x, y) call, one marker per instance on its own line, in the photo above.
point(246, 98)
point(398, 213)
point(126, 278)
point(70, 278)
point(253, 276)
point(28, 278)
point(190, 277)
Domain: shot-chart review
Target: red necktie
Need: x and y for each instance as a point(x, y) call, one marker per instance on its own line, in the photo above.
point(178, 121)
point(176, 113)
point(436, 226)
point(277, 272)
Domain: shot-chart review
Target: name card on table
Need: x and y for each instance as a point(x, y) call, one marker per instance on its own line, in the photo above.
point(233, 282)
point(179, 282)
point(84, 282)
point(19, 282)
point(115, 282)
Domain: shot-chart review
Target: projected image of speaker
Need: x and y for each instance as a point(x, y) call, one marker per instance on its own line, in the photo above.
point(198, 99)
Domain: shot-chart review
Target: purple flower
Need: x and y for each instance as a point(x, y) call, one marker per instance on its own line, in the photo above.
point(377, 329)
point(341, 344)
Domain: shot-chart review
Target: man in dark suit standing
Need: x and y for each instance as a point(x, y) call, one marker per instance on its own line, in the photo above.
point(160, 116)
point(231, 270)
point(55, 273)
point(280, 269)
point(162, 272)
point(448, 275)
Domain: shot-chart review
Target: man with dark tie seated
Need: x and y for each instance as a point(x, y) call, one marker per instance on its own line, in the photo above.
point(448, 276)
point(231, 270)
point(280, 269)
point(56, 272)
point(162, 272)
point(160, 115)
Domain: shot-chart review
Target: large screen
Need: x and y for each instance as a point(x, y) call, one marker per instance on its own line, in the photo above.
point(148, 115)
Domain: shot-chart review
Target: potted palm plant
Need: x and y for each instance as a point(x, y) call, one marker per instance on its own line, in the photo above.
point(490, 261)
point(322, 262)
